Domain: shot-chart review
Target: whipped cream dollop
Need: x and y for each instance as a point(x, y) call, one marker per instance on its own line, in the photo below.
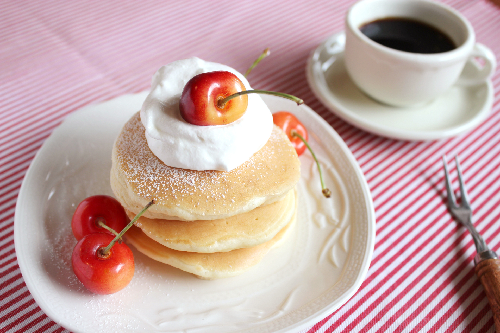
point(182, 145)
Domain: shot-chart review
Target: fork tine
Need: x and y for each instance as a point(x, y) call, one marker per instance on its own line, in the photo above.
point(449, 191)
point(463, 192)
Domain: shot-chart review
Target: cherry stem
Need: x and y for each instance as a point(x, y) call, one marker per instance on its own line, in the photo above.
point(104, 252)
point(326, 192)
point(221, 103)
point(103, 225)
point(264, 54)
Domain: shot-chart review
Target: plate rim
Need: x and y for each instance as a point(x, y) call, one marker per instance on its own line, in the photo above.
point(334, 106)
point(371, 224)
point(307, 321)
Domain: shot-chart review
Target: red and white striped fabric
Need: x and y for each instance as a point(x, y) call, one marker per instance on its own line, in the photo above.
point(58, 56)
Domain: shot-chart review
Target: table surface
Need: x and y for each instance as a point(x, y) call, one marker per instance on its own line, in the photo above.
point(59, 56)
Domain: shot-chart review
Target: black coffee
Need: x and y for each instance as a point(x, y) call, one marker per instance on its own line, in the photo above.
point(407, 35)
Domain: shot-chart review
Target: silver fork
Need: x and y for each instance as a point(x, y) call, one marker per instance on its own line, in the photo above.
point(463, 214)
point(487, 265)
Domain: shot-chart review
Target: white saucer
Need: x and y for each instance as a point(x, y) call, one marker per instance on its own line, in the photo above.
point(458, 110)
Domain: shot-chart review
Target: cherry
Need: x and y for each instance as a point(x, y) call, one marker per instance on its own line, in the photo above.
point(102, 262)
point(99, 272)
point(288, 122)
point(206, 110)
point(217, 98)
point(200, 99)
point(297, 134)
point(98, 213)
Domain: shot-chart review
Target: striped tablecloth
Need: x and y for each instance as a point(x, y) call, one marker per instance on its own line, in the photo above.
point(58, 56)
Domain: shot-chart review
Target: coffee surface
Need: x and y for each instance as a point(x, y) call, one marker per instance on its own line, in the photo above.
point(408, 35)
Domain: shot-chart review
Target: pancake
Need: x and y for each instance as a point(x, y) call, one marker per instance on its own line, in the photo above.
point(137, 176)
point(206, 265)
point(244, 230)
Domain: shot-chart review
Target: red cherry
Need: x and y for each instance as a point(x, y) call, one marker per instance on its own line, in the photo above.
point(288, 122)
point(102, 273)
point(200, 99)
point(102, 262)
point(297, 134)
point(94, 209)
point(218, 98)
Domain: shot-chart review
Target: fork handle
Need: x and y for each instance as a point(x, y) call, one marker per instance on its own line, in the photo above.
point(488, 272)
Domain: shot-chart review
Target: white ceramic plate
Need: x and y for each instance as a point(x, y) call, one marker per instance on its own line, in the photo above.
point(458, 110)
point(320, 266)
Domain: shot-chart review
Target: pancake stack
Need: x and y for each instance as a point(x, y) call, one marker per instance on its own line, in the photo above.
point(213, 224)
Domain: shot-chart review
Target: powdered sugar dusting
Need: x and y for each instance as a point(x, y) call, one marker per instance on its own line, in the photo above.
point(262, 175)
point(151, 175)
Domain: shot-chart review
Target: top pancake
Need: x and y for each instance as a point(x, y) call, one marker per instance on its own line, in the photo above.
point(137, 176)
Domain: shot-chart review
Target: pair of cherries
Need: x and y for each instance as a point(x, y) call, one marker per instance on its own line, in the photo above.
point(100, 260)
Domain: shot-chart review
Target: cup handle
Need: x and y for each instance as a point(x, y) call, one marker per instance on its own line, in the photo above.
point(479, 67)
point(328, 54)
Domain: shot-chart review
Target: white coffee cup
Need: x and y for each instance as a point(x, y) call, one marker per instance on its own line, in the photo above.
point(402, 78)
